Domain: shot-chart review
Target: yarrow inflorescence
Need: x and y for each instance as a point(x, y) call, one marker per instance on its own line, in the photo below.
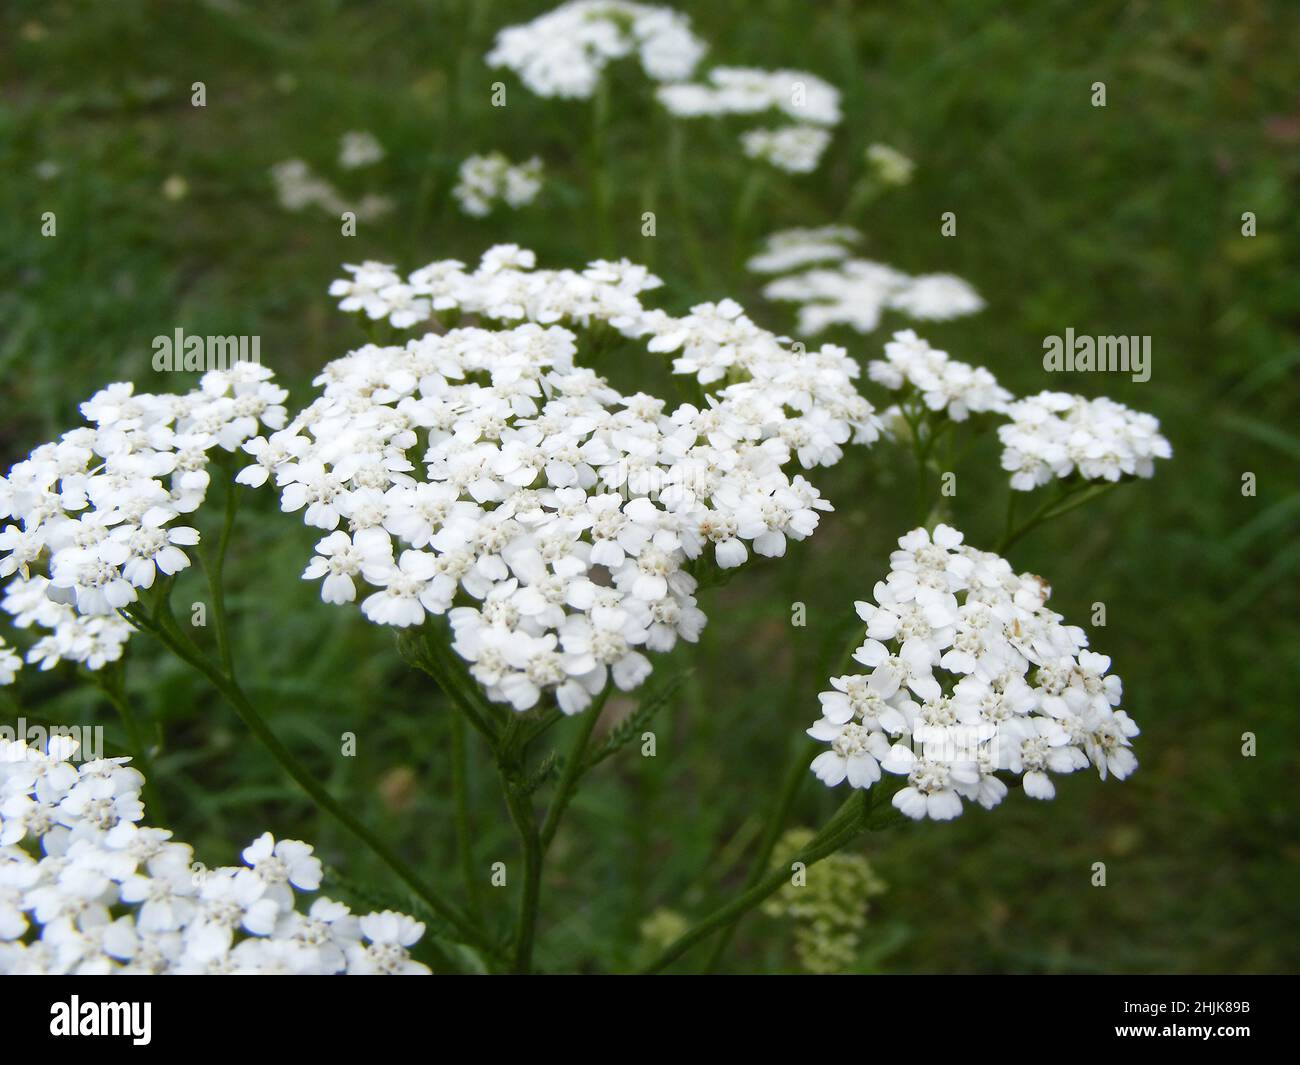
point(1054, 434)
point(486, 180)
point(482, 474)
point(944, 384)
point(812, 105)
point(565, 51)
point(98, 512)
point(970, 678)
point(86, 889)
point(850, 291)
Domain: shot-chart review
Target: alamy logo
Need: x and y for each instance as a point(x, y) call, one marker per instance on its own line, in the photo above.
point(1130, 355)
point(102, 1018)
point(75, 743)
point(178, 352)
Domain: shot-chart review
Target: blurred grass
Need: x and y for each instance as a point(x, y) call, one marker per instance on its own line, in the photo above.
point(1122, 220)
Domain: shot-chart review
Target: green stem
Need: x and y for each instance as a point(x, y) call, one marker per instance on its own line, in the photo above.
point(231, 691)
point(844, 826)
point(1064, 502)
point(215, 567)
point(794, 776)
point(521, 813)
point(682, 202)
point(596, 165)
point(460, 783)
point(574, 767)
point(112, 683)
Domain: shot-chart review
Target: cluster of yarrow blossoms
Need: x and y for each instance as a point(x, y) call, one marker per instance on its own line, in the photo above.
point(560, 525)
point(945, 385)
point(829, 910)
point(565, 51)
point(359, 148)
point(812, 103)
point(791, 249)
point(98, 514)
point(298, 186)
point(486, 180)
point(797, 149)
point(1054, 434)
point(969, 675)
point(86, 889)
point(853, 292)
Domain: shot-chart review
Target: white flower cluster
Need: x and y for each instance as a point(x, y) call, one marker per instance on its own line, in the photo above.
point(1054, 434)
point(482, 474)
point(796, 149)
point(358, 148)
point(889, 165)
point(95, 510)
point(298, 186)
point(969, 675)
point(955, 388)
point(812, 103)
point(564, 52)
point(486, 180)
point(10, 662)
point(790, 249)
point(796, 94)
point(86, 890)
point(855, 292)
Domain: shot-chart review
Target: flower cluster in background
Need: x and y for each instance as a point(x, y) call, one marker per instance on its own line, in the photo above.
point(1054, 434)
point(829, 908)
point(359, 148)
point(969, 674)
point(797, 149)
point(853, 292)
point(298, 186)
point(97, 510)
point(564, 52)
point(86, 889)
point(812, 104)
point(483, 474)
point(888, 165)
point(486, 180)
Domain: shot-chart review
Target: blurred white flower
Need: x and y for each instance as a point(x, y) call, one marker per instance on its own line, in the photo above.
point(564, 52)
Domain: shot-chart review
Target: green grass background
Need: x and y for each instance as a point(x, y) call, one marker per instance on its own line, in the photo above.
point(1122, 220)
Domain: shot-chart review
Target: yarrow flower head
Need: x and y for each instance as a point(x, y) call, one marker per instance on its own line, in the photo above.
point(486, 180)
point(796, 94)
point(970, 679)
point(797, 149)
point(86, 889)
point(857, 291)
point(853, 292)
point(564, 52)
point(98, 515)
point(812, 104)
point(1054, 434)
point(560, 526)
point(359, 148)
point(889, 165)
point(790, 249)
point(828, 911)
point(945, 385)
point(298, 186)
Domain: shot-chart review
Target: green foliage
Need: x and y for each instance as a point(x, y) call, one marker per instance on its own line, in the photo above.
point(1115, 220)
